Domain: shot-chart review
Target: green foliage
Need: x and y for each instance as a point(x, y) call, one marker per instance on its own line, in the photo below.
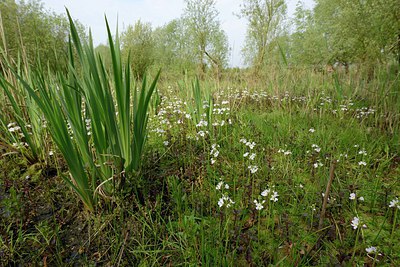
point(99, 129)
point(35, 33)
point(173, 51)
point(347, 32)
point(138, 44)
point(205, 36)
point(265, 26)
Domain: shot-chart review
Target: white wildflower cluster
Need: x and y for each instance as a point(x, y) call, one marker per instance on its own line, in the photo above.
point(316, 148)
point(214, 153)
point(362, 152)
point(395, 203)
point(259, 204)
point(202, 123)
point(88, 126)
point(13, 127)
point(70, 130)
point(221, 111)
point(201, 134)
point(364, 112)
point(251, 156)
point(225, 200)
point(362, 163)
point(285, 152)
point(272, 194)
point(353, 196)
point(249, 144)
point(317, 164)
point(253, 168)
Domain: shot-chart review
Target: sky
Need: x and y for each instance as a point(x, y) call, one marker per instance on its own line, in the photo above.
point(158, 12)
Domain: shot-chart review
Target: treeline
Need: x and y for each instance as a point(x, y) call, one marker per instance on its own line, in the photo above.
point(32, 34)
point(334, 32)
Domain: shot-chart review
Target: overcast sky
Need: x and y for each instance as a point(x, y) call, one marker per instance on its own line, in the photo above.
point(158, 12)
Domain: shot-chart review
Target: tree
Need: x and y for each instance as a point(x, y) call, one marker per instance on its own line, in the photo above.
point(173, 50)
point(208, 40)
point(138, 43)
point(265, 19)
point(307, 42)
point(35, 33)
point(364, 31)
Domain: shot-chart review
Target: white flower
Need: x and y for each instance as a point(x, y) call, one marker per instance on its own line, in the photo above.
point(362, 152)
point(259, 205)
point(394, 203)
point(274, 196)
point(352, 196)
point(311, 130)
point(318, 164)
point(355, 222)
point(252, 156)
point(166, 143)
point(265, 192)
point(212, 161)
point(361, 198)
point(371, 249)
point(51, 153)
point(225, 199)
point(219, 185)
point(362, 163)
point(253, 169)
point(226, 186)
point(287, 153)
point(245, 154)
point(221, 202)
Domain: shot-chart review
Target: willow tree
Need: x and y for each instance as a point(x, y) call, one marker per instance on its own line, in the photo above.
point(204, 32)
point(138, 42)
point(265, 19)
